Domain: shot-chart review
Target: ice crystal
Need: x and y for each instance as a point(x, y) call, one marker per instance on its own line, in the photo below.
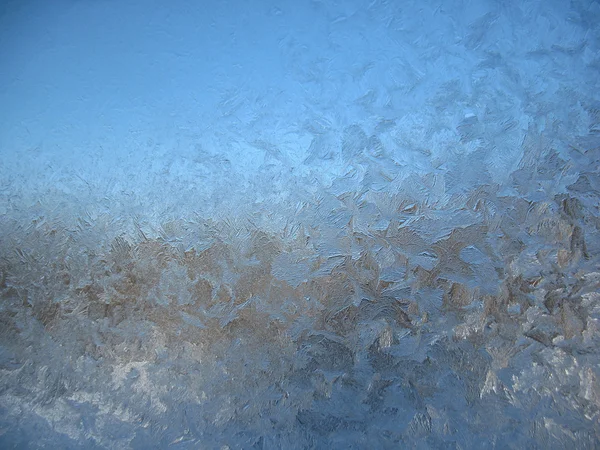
point(400, 250)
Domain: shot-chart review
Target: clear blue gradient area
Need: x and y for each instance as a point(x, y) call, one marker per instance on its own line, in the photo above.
point(299, 224)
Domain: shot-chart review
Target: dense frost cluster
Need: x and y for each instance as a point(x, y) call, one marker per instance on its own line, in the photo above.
point(382, 276)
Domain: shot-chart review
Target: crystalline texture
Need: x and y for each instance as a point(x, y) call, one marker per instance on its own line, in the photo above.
point(378, 231)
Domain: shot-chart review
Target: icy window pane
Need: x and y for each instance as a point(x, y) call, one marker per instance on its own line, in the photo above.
point(306, 225)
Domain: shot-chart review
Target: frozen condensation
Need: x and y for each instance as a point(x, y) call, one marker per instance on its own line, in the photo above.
point(300, 225)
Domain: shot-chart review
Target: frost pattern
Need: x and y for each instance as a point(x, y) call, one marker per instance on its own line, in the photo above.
point(419, 280)
point(383, 322)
